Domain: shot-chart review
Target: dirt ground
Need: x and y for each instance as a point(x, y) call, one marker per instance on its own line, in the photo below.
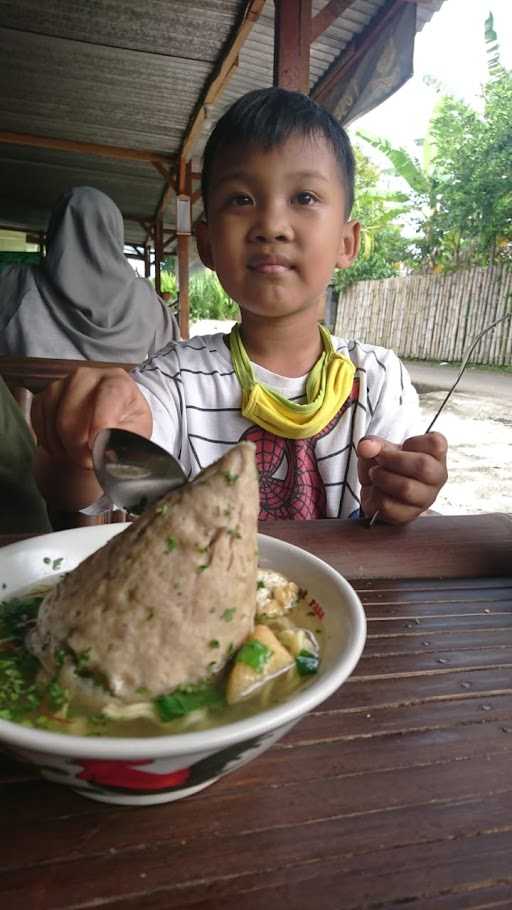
point(479, 433)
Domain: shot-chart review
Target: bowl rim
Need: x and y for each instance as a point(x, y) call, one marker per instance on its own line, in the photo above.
point(214, 738)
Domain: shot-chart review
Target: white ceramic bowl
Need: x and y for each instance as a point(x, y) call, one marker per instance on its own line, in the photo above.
point(158, 769)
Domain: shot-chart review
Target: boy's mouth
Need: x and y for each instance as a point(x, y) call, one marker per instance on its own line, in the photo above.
point(269, 264)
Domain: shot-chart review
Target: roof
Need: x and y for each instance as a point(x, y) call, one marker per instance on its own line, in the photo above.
point(134, 77)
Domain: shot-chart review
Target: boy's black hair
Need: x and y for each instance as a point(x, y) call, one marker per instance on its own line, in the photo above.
point(268, 117)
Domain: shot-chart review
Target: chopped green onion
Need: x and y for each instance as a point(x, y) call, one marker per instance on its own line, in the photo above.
point(183, 701)
point(306, 663)
point(255, 654)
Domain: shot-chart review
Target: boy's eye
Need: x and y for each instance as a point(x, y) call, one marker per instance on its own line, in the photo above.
point(305, 198)
point(239, 199)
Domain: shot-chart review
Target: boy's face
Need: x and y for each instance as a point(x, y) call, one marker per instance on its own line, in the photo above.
point(276, 226)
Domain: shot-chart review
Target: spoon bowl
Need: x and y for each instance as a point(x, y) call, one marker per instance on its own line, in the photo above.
point(133, 471)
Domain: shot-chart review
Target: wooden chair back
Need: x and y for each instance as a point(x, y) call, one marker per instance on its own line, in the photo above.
point(26, 376)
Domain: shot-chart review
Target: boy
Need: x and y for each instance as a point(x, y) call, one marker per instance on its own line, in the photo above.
point(278, 176)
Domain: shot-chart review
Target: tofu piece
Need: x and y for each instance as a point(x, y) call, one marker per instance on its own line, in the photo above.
point(244, 679)
point(171, 597)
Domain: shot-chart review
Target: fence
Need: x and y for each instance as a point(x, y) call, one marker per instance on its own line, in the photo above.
point(432, 317)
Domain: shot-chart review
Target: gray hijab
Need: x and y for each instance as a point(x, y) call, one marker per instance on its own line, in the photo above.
point(85, 301)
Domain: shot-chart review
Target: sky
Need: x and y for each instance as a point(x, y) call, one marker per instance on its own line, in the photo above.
point(451, 47)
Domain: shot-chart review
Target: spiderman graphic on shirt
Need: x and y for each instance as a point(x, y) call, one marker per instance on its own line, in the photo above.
point(289, 479)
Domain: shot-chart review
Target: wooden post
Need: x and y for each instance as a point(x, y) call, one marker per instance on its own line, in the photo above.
point(184, 190)
point(159, 232)
point(292, 39)
point(147, 260)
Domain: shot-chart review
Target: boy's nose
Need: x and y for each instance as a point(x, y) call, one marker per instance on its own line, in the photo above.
point(271, 224)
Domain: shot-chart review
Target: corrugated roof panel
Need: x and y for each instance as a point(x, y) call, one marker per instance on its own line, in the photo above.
point(192, 30)
point(126, 73)
point(96, 94)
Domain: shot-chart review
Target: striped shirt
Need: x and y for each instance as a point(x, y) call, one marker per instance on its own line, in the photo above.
point(195, 398)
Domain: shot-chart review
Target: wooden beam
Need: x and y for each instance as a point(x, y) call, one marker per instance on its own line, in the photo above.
point(166, 172)
point(85, 148)
point(323, 19)
point(171, 238)
point(220, 76)
point(185, 188)
point(292, 40)
point(147, 261)
point(159, 249)
point(353, 52)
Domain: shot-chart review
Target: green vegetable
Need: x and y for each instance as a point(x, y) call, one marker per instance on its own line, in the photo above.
point(255, 654)
point(81, 660)
point(306, 663)
point(230, 478)
point(17, 616)
point(57, 695)
point(59, 656)
point(213, 643)
point(183, 701)
point(17, 697)
point(260, 585)
point(228, 614)
point(171, 544)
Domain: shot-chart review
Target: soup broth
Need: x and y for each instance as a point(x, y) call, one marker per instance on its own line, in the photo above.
point(27, 697)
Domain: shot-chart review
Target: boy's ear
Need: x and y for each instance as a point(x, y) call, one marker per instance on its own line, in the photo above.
point(203, 245)
point(349, 244)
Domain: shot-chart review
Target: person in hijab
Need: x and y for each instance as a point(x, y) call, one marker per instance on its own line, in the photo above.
point(22, 508)
point(84, 301)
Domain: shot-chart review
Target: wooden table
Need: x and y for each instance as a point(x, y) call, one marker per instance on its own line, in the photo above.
point(396, 792)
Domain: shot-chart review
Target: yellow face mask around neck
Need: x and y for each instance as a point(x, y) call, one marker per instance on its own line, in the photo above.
point(328, 386)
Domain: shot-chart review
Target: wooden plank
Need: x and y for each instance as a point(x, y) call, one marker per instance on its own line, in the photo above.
point(292, 39)
point(87, 148)
point(326, 16)
point(395, 790)
point(440, 547)
point(161, 850)
point(221, 75)
point(34, 373)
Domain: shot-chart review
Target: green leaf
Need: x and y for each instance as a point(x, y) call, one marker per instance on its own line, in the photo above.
point(183, 701)
point(255, 654)
point(406, 166)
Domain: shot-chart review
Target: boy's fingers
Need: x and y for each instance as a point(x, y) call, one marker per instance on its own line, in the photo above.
point(368, 453)
point(371, 446)
point(404, 489)
point(390, 510)
point(415, 465)
point(118, 402)
point(434, 444)
point(68, 413)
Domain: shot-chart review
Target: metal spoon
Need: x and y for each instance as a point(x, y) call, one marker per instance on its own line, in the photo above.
point(133, 471)
point(474, 343)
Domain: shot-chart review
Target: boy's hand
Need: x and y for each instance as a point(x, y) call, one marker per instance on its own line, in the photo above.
point(401, 482)
point(67, 415)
